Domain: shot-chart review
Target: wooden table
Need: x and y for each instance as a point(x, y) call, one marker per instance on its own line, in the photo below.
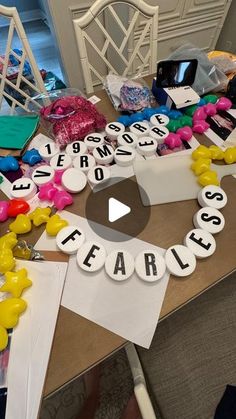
point(78, 343)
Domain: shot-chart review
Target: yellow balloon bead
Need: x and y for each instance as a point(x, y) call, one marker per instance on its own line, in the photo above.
point(8, 241)
point(200, 166)
point(230, 155)
point(55, 224)
point(3, 338)
point(216, 152)
point(208, 178)
point(201, 152)
point(10, 311)
point(40, 216)
point(7, 261)
point(16, 282)
point(21, 225)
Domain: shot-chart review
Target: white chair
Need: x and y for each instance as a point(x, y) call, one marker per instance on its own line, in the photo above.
point(119, 37)
point(35, 86)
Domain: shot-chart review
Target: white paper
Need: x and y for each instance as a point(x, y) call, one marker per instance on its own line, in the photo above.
point(32, 338)
point(130, 309)
point(216, 139)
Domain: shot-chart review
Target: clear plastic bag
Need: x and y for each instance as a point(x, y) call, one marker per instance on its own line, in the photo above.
point(208, 77)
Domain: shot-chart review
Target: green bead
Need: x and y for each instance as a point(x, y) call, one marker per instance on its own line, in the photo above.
point(1, 179)
point(210, 98)
point(173, 125)
point(186, 121)
point(190, 110)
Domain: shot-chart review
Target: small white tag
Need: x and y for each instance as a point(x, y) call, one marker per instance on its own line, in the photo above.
point(94, 99)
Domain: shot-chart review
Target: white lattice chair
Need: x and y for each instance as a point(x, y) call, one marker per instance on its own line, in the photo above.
point(119, 37)
point(37, 87)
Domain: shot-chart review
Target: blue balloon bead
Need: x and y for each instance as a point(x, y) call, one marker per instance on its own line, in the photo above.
point(32, 157)
point(124, 119)
point(163, 109)
point(173, 114)
point(9, 163)
point(201, 102)
point(136, 117)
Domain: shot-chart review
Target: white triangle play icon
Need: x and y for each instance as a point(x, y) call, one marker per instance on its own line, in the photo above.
point(116, 210)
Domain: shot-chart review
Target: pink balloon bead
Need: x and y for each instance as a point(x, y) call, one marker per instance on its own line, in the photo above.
point(185, 133)
point(58, 176)
point(61, 199)
point(3, 210)
point(223, 104)
point(199, 114)
point(173, 140)
point(210, 109)
point(200, 127)
point(47, 191)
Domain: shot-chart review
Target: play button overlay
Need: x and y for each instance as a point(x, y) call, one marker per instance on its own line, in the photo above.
point(116, 210)
point(118, 207)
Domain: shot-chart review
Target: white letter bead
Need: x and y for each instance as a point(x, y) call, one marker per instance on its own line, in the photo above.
point(103, 154)
point(93, 140)
point(159, 119)
point(200, 242)
point(139, 128)
point(43, 174)
point(209, 219)
point(91, 256)
point(75, 148)
point(99, 174)
point(23, 188)
point(180, 260)
point(147, 146)
point(73, 180)
point(113, 129)
point(212, 196)
point(69, 239)
point(150, 265)
point(61, 161)
point(159, 133)
point(47, 151)
point(124, 155)
point(127, 138)
point(119, 265)
point(84, 162)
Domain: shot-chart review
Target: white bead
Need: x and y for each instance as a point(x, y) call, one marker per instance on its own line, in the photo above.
point(75, 148)
point(200, 242)
point(91, 256)
point(47, 151)
point(159, 133)
point(159, 119)
point(43, 174)
point(127, 138)
point(212, 196)
point(93, 140)
point(73, 180)
point(103, 154)
point(209, 219)
point(180, 260)
point(69, 239)
point(147, 146)
point(113, 129)
point(99, 174)
point(84, 162)
point(61, 161)
point(23, 188)
point(139, 128)
point(150, 265)
point(124, 155)
point(119, 265)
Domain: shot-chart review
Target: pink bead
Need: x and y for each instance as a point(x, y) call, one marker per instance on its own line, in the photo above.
point(223, 104)
point(200, 127)
point(3, 210)
point(199, 114)
point(210, 109)
point(185, 133)
point(173, 140)
point(62, 199)
point(58, 176)
point(47, 192)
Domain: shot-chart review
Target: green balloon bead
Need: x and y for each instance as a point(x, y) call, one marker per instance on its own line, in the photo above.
point(173, 125)
point(1, 179)
point(186, 121)
point(210, 98)
point(190, 110)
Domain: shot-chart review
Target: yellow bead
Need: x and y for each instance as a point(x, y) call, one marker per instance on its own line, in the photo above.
point(7, 261)
point(201, 151)
point(55, 224)
point(40, 216)
point(16, 282)
point(21, 225)
point(10, 311)
point(216, 152)
point(208, 178)
point(8, 241)
point(200, 166)
point(230, 155)
point(3, 338)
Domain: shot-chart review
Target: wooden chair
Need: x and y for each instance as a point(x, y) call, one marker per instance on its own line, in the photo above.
point(119, 37)
point(33, 86)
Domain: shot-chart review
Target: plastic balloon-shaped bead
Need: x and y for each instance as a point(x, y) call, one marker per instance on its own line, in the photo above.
point(32, 157)
point(199, 114)
point(208, 178)
point(210, 109)
point(17, 206)
point(201, 151)
point(173, 125)
point(40, 216)
point(200, 166)
point(223, 104)
point(210, 98)
point(185, 133)
point(21, 225)
point(190, 110)
point(186, 120)
point(62, 199)
point(200, 126)
point(8, 241)
point(7, 260)
point(216, 152)
point(4, 210)
point(10, 311)
point(173, 140)
point(55, 224)
point(8, 164)
point(230, 155)
point(3, 338)
point(16, 282)
point(47, 192)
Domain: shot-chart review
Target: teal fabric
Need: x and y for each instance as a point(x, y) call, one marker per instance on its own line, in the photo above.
point(16, 131)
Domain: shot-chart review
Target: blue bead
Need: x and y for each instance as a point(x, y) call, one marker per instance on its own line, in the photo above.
point(162, 109)
point(32, 157)
point(201, 102)
point(147, 113)
point(173, 114)
point(8, 163)
point(136, 117)
point(124, 119)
